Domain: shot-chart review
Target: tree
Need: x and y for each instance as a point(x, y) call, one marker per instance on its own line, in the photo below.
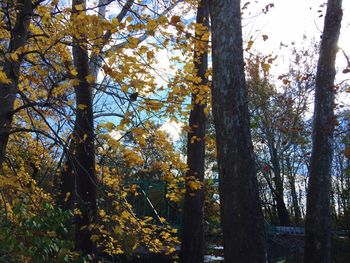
point(318, 220)
point(11, 66)
point(83, 144)
point(278, 126)
point(241, 215)
point(192, 246)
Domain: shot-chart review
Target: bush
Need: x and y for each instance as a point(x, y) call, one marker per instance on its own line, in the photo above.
point(39, 238)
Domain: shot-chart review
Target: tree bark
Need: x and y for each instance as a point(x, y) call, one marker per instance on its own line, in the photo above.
point(192, 246)
point(83, 156)
point(241, 214)
point(318, 215)
point(12, 70)
point(282, 211)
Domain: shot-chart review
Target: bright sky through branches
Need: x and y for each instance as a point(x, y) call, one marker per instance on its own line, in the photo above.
point(289, 21)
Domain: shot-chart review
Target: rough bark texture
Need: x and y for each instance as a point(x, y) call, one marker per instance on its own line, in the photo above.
point(11, 68)
point(318, 220)
point(241, 215)
point(83, 155)
point(192, 246)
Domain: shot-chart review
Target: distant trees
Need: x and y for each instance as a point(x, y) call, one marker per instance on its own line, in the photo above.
point(241, 216)
point(318, 215)
point(279, 129)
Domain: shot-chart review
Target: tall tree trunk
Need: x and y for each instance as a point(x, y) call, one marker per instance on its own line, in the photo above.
point(78, 177)
point(318, 214)
point(282, 211)
point(11, 68)
point(192, 246)
point(83, 155)
point(241, 215)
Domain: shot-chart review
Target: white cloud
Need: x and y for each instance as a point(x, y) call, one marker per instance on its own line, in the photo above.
point(116, 135)
point(172, 128)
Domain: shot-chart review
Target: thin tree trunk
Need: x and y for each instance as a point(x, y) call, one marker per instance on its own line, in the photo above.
point(318, 215)
point(84, 153)
point(282, 211)
point(241, 215)
point(11, 68)
point(295, 202)
point(296, 208)
point(192, 246)
point(78, 183)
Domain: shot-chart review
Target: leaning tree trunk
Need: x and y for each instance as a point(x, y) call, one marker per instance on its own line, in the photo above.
point(241, 216)
point(192, 246)
point(83, 156)
point(11, 68)
point(318, 219)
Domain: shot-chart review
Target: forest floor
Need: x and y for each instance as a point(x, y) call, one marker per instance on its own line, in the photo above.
point(290, 249)
point(286, 249)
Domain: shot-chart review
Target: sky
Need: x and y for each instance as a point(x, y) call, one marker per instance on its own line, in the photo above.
point(287, 21)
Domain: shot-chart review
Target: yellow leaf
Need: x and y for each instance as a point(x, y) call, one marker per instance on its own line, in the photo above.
point(75, 82)
point(82, 106)
point(79, 7)
point(14, 56)
point(41, 10)
point(124, 88)
point(90, 79)
point(67, 194)
point(118, 230)
point(250, 44)
point(51, 234)
point(151, 25)
point(94, 238)
point(194, 185)
point(266, 67)
point(133, 42)
point(102, 213)
point(4, 79)
point(76, 211)
point(74, 72)
point(150, 55)
point(125, 215)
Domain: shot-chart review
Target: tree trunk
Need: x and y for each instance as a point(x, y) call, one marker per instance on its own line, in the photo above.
point(282, 211)
point(192, 246)
point(296, 208)
point(294, 195)
point(83, 156)
point(11, 68)
point(318, 215)
point(241, 215)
